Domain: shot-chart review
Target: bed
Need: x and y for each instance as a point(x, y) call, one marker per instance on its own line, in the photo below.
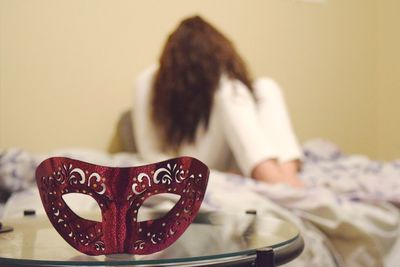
point(347, 213)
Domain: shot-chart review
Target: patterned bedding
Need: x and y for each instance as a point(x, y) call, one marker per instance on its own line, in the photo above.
point(347, 212)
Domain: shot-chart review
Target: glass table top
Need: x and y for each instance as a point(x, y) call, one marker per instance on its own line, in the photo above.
point(212, 236)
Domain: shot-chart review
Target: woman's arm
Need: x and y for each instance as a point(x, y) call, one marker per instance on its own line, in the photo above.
point(242, 128)
point(255, 151)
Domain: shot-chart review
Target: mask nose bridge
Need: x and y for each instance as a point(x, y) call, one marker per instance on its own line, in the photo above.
point(115, 227)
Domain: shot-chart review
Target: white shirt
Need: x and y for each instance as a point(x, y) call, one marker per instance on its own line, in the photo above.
point(252, 131)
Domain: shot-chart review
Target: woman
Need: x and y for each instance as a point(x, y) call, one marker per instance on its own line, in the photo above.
point(200, 101)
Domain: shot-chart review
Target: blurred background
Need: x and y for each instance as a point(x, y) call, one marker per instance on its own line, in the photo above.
point(67, 68)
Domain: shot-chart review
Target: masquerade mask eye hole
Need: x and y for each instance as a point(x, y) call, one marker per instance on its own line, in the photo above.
point(163, 202)
point(81, 204)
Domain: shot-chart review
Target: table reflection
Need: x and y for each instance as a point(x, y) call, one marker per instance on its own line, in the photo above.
point(212, 235)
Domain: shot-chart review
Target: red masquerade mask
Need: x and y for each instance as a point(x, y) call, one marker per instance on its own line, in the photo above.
point(120, 192)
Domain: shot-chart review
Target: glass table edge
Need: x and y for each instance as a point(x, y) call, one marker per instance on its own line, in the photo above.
point(159, 262)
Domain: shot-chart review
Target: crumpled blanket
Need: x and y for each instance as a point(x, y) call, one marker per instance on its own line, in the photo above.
point(345, 212)
point(338, 230)
point(355, 176)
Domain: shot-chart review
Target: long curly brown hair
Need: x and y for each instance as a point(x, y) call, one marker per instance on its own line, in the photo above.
point(193, 59)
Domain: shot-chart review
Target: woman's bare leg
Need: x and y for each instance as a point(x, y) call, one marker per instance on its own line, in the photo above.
point(291, 170)
point(272, 172)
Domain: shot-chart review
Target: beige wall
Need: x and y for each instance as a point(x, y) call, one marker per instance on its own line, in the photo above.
point(388, 85)
point(67, 67)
